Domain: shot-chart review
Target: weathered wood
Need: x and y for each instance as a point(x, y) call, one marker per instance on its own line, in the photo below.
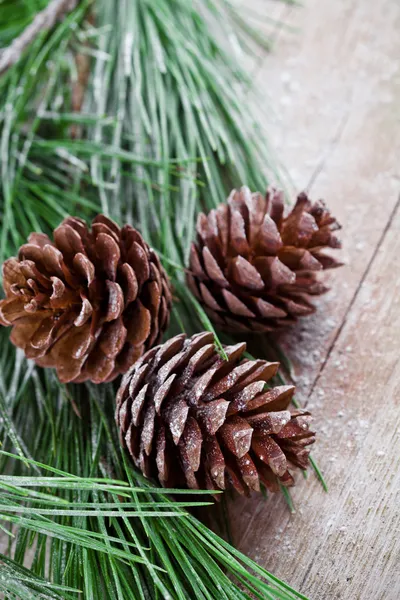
point(336, 86)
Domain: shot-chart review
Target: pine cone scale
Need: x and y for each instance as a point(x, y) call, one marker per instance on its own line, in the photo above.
point(212, 415)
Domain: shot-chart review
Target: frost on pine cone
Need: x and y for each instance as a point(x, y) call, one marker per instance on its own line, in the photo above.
point(189, 418)
point(89, 303)
point(254, 269)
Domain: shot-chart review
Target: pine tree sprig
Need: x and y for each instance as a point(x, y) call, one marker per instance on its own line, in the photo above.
point(121, 528)
point(164, 131)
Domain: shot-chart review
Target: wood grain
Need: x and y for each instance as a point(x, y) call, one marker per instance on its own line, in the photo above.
point(336, 85)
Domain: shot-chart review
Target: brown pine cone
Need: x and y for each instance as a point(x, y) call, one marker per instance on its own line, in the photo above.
point(254, 269)
point(189, 418)
point(89, 303)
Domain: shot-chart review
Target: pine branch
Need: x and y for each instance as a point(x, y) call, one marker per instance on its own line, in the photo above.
point(162, 88)
point(44, 20)
point(111, 532)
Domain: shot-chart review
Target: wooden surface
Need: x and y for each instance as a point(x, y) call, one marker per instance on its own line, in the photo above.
point(334, 86)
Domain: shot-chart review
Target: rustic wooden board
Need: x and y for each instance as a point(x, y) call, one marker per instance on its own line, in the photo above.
point(335, 84)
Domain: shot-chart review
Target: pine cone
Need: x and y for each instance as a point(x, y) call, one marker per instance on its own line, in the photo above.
point(189, 418)
point(252, 268)
point(90, 303)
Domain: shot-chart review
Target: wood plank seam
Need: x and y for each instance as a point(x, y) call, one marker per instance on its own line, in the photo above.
point(354, 298)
